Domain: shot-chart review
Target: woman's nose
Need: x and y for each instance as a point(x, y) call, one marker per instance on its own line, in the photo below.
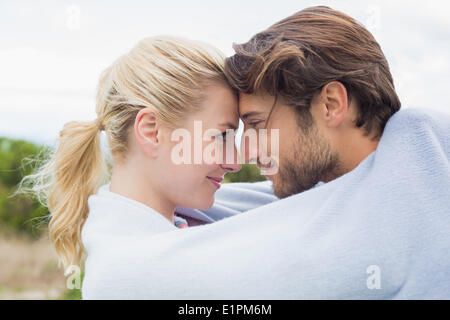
point(234, 165)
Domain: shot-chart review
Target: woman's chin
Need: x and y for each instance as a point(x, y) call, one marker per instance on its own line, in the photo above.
point(202, 200)
point(205, 204)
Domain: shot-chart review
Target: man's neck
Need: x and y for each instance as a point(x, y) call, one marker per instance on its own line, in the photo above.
point(355, 149)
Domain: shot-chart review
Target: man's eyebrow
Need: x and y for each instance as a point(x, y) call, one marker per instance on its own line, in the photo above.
point(250, 114)
point(228, 124)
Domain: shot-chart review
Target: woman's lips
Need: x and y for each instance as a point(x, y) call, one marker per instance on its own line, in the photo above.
point(215, 181)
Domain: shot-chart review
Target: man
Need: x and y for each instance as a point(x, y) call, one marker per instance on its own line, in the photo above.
point(365, 201)
point(333, 89)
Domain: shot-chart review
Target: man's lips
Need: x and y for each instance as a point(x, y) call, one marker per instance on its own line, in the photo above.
point(215, 181)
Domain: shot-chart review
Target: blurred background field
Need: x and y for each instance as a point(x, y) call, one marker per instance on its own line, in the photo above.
point(28, 269)
point(28, 264)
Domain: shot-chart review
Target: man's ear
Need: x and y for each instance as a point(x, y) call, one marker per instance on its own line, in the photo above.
point(334, 103)
point(147, 131)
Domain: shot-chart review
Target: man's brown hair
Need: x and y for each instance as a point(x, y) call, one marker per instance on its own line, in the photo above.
point(297, 56)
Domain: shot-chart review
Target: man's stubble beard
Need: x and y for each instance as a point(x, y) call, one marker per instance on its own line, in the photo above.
point(311, 160)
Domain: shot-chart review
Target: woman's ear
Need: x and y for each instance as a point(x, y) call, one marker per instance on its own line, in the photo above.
point(147, 131)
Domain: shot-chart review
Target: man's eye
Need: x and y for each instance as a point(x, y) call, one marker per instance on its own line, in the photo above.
point(254, 123)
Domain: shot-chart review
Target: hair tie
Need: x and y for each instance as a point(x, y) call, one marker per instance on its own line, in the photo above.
point(100, 126)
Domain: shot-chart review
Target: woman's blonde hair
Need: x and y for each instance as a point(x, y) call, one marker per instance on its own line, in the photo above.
point(163, 73)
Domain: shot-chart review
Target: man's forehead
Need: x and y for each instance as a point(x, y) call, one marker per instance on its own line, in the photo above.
point(254, 103)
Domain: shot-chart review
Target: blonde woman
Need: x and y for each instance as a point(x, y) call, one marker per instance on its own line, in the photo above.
point(161, 85)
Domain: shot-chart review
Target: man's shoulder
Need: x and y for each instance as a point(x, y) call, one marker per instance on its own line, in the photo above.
point(418, 126)
point(421, 115)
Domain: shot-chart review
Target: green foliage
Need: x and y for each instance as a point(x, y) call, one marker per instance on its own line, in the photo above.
point(19, 212)
point(248, 173)
point(74, 294)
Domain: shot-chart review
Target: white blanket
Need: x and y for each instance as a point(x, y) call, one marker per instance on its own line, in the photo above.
point(379, 231)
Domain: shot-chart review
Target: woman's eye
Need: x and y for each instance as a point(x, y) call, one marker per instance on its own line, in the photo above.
point(223, 135)
point(226, 136)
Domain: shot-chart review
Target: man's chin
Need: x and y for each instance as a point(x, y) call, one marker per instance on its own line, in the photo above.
point(284, 190)
point(279, 189)
point(279, 193)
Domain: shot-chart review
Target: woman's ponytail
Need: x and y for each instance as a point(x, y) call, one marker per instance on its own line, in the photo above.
point(64, 183)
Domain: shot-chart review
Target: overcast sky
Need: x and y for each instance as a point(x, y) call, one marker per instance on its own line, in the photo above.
point(52, 52)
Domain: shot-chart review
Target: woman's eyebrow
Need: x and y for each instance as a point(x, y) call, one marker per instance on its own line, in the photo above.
point(250, 114)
